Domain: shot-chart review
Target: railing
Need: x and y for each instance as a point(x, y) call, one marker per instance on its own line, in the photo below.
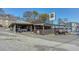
point(43, 32)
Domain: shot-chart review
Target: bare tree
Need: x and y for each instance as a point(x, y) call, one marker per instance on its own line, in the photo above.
point(27, 15)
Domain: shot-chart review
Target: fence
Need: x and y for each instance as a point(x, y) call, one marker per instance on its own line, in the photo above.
point(44, 32)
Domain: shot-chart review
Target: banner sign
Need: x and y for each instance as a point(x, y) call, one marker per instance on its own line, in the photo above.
point(52, 16)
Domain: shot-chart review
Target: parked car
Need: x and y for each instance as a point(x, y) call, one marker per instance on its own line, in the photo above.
point(21, 30)
point(60, 31)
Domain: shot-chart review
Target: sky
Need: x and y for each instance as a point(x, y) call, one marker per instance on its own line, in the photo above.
point(72, 14)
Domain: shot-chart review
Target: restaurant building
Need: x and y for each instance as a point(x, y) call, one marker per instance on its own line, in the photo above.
point(34, 26)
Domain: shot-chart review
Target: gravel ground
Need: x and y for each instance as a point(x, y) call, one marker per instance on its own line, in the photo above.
point(31, 42)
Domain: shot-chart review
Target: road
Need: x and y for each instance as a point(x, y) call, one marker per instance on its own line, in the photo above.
point(10, 41)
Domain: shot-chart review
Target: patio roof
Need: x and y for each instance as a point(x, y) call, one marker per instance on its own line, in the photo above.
point(43, 24)
point(38, 22)
point(21, 22)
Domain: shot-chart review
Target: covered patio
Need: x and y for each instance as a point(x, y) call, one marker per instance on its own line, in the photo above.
point(38, 28)
point(42, 28)
point(21, 27)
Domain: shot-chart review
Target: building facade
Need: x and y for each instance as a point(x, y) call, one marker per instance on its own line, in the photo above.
point(5, 20)
point(72, 26)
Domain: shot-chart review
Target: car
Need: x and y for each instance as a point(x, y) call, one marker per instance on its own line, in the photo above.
point(60, 31)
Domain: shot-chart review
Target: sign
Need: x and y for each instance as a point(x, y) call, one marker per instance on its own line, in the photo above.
point(52, 16)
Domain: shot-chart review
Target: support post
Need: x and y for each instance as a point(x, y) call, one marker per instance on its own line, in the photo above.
point(43, 27)
point(43, 30)
point(14, 28)
point(31, 28)
point(34, 28)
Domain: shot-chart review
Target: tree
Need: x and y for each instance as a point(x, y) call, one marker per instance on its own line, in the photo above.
point(32, 15)
point(44, 17)
point(27, 15)
point(35, 14)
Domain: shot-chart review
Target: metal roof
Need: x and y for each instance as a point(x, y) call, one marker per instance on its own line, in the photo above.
point(21, 22)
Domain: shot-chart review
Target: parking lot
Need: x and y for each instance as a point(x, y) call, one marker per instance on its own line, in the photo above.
point(29, 41)
point(71, 40)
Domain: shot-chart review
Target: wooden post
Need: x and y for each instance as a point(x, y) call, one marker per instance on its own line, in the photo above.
point(14, 28)
point(43, 29)
point(34, 28)
point(31, 28)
